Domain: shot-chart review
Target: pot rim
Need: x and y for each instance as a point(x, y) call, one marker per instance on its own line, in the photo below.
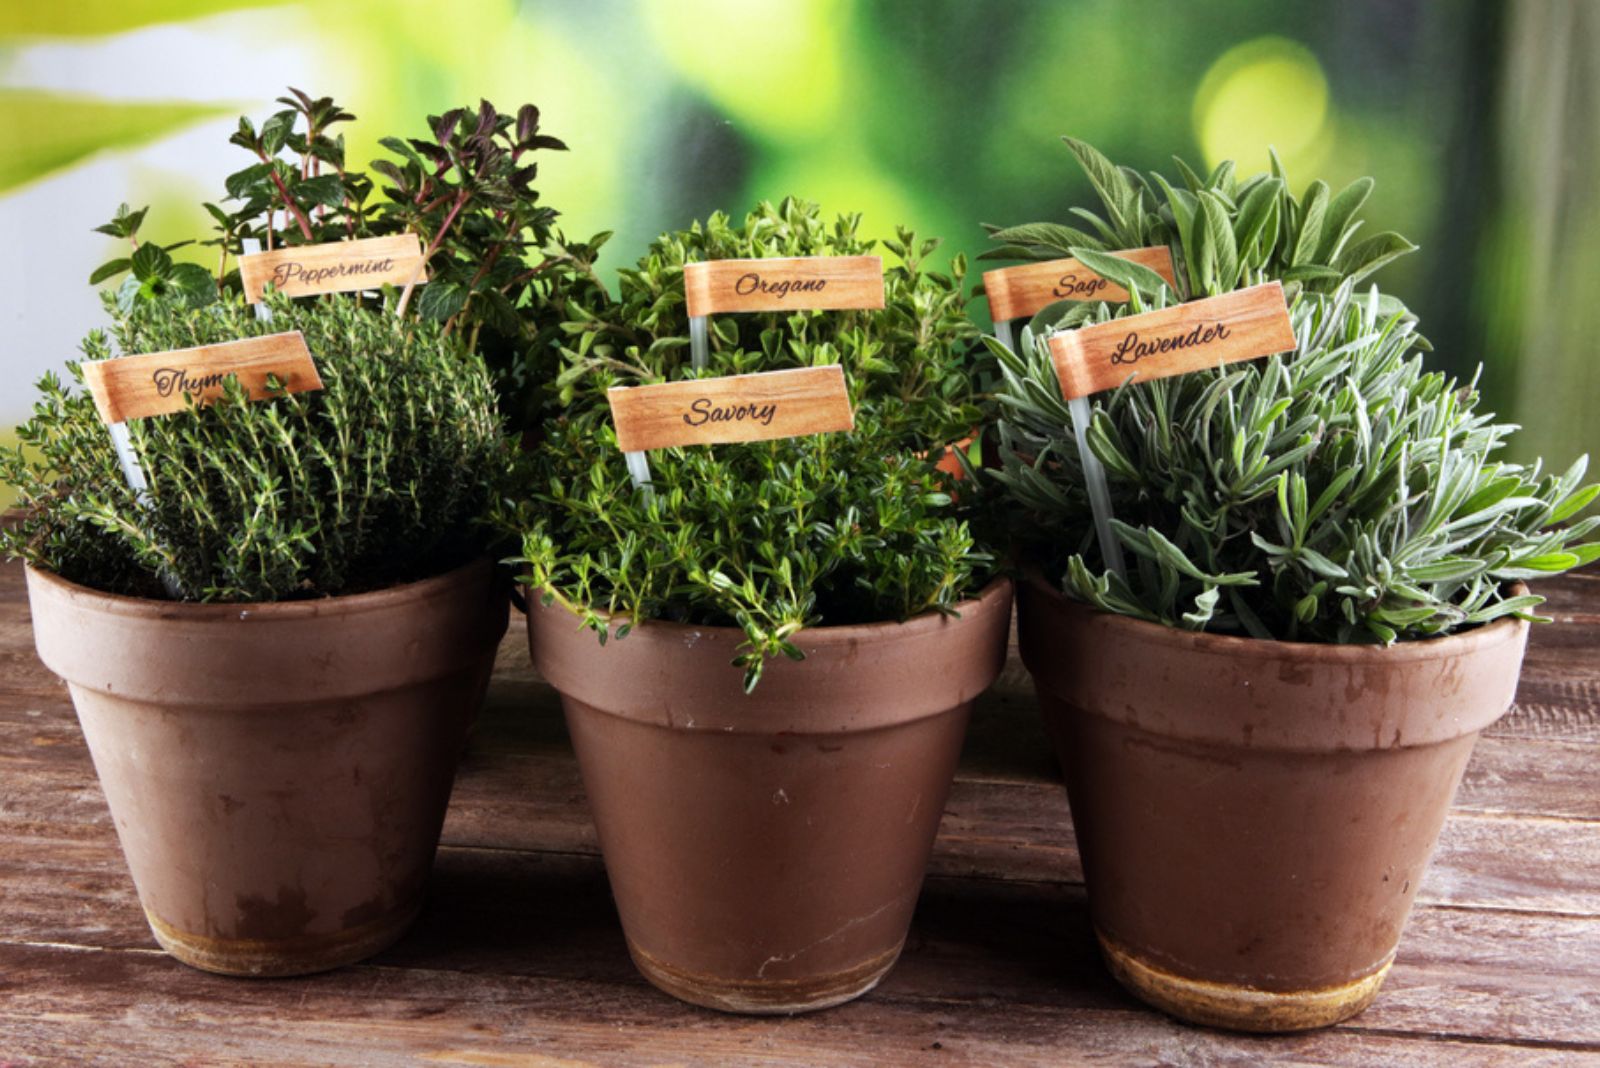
point(822, 635)
point(1449, 646)
point(119, 604)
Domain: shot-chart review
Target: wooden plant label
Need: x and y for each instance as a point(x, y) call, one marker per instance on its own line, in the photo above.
point(1022, 292)
point(159, 383)
point(710, 411)
point(336, 267)
point(780, 284)
point(1241, 325)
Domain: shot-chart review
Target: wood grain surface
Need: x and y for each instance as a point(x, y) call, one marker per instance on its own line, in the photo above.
point(518, 960)
point(1022, 292)
point(334, 267)
point(783, 284)
point(710, 411)
point(160, 383)
point(1242, 325)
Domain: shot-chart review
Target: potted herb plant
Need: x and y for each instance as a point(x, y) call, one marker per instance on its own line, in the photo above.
point(767, 663)
point(276, 645)
point(1263, 722)
point(275, 651)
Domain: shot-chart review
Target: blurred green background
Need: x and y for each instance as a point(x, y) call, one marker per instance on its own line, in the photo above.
point(1480, 121)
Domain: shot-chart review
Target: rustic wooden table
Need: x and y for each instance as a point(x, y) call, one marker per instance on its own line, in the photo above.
point(518, 960)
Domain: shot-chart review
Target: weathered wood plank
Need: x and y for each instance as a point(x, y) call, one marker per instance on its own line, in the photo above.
point(984, 960)
point(519, 960)
point(141, 1009)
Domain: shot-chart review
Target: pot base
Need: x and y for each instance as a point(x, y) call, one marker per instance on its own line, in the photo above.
point(276, 958)
point(1237, 1007)
point(764, 997)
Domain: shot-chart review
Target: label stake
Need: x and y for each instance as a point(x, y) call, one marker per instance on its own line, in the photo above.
point(1242, 325)
point(774, 284)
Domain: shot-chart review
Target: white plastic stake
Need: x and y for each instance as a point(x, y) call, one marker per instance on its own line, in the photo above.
point(133, 474)
point(1094, 478)
point(1002, 334)
point(699, 342)
point(132, 470)
point(263, 313)
point(639, 469)
point(700, 356)
point(1094, 472)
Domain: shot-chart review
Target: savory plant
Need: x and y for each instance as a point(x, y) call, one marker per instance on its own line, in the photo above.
point(768, 536)
point(380, 477)
point(1339, 493)
point(499, 269)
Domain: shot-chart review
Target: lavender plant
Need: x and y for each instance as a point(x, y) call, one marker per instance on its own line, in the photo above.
point(1339, 493)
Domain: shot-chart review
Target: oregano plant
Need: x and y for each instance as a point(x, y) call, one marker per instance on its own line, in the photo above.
point(771, 536)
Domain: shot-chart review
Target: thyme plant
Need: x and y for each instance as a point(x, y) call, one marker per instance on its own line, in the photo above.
point(1339, 493)
point(768, 536)
point(380, 477)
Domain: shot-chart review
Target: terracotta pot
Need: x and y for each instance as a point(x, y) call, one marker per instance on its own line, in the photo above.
point(766, 850)
point(1255, 817)
point(950, 463)
point(277, 773)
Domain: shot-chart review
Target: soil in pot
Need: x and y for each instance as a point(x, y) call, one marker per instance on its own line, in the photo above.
point(1255, 817)
point(766, 850)
point(277, 773)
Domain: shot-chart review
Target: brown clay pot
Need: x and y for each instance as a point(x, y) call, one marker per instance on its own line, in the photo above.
point(278, 773)
point(1254, 817)
point(766, 850)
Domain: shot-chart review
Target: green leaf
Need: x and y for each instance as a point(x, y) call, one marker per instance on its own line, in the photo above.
point(1310, 235)
point(240, 183)
point(1576, 502)
point(1341, 210)
point(1509, 606)
point(276, 130)
point(1259, 204)
point(1547, 562)
point(326, 189)
point(1107, 179)
point(1450, 569)
point(1125, 273)
point(439, 300)
point(197, 284)
point(1320, 564)
point(1311, 272)
point(1052, 236)
point(107, 270)
point(1220, 240)
point(1359, 261)
point(151, 262)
